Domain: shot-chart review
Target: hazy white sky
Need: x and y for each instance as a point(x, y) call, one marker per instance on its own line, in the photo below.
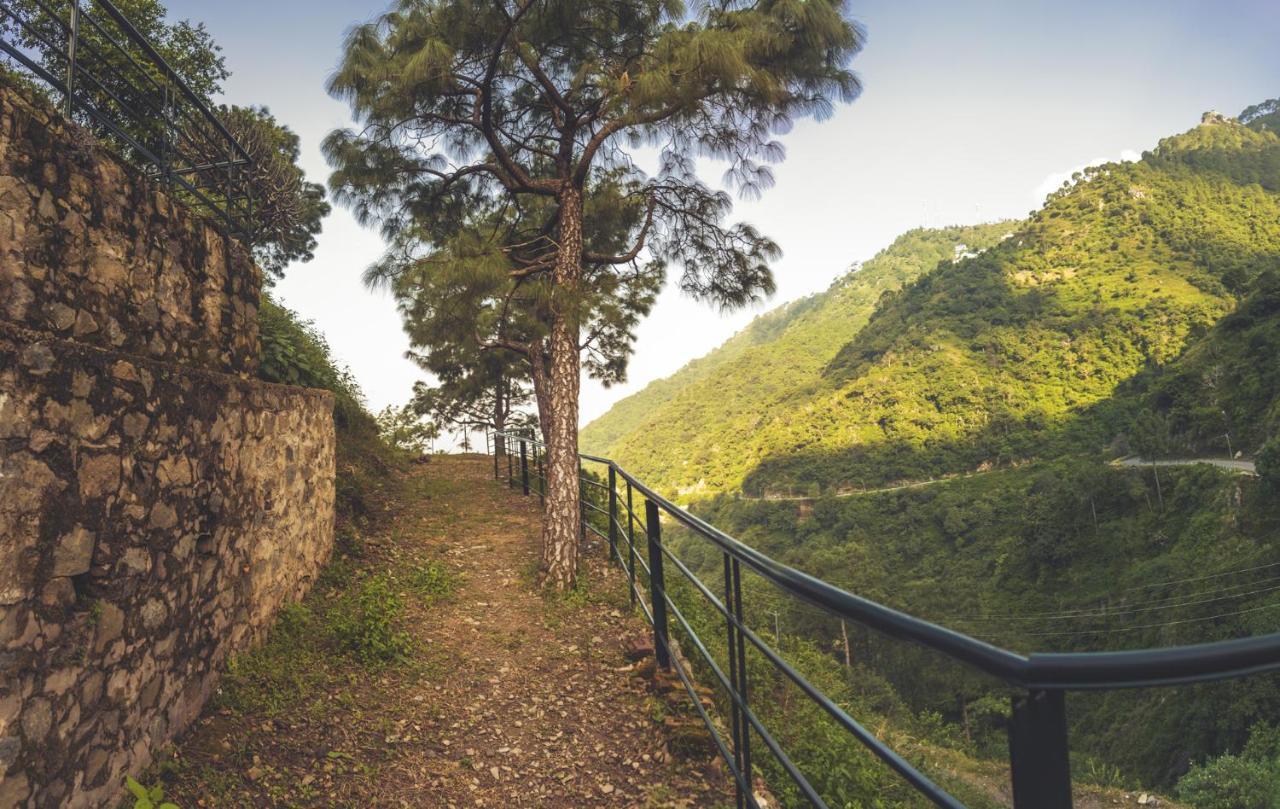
point(971, 111)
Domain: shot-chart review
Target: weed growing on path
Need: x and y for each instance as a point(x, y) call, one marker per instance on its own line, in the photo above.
point(432, 581)
point(366, 623)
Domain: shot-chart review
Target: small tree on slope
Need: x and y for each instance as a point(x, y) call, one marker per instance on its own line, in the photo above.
point(525, 110)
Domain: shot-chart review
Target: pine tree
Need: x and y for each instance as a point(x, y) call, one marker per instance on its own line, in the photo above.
point(517, 118)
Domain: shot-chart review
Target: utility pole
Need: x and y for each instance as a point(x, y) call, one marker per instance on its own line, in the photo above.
point(844, 633)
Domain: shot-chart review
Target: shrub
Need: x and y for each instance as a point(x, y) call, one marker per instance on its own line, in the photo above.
point(1230, 782)
point(1269, 462)
point(366, 623)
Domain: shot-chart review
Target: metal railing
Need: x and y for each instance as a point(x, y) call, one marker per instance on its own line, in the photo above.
point(111, 79)
point(1038, 749)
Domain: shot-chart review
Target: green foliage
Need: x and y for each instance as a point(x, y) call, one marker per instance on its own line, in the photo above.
point(1264, 116)
point(147, 798)
point(1226, 385)
point(1136, 312)
point(1268, 462)
point(365, 622)
point(772, 367)
point(285, 669)
point(1230, 782)
point(287, 210)
point(431, 580)
point(405, 428)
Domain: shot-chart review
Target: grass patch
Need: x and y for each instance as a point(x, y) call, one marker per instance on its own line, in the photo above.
point(285, 670)
point(432, 581)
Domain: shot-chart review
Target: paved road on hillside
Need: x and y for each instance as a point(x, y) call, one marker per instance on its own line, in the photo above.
point(1242, 466)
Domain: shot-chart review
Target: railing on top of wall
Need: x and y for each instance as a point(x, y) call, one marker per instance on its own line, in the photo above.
point(1038, 750)
point(112, 79)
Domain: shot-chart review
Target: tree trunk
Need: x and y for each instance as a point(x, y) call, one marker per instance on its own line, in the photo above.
point(1159, 494)
point(563, 506)
point(540, 373)
point(499, 419)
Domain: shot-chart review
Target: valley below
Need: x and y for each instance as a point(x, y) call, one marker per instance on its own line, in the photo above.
point(1059, 434)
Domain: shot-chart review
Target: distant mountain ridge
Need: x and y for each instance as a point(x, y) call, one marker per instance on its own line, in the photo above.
point(918, 364)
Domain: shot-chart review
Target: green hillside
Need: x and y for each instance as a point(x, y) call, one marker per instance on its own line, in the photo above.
point(701, 414)
point(987, 361)
point(1137, 312)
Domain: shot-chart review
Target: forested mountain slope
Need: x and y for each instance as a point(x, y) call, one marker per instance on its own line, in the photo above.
point(991, 360)
point(1139, 311)
point(712, 404)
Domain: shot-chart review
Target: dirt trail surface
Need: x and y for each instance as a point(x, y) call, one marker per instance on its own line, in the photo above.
point(509, 698)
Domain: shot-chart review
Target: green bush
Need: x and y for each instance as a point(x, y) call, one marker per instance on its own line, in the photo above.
point(1230, 782)
point(431, 580)
point(366, 623)
point(1269, 462)
point(294, 352)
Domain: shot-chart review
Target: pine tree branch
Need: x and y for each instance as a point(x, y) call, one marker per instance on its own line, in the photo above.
point(630, 256)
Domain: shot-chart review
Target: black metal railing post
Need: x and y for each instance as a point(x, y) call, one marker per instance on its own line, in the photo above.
point(657, 585)
point(735, 714)
point(582, 498)
point(613, 513)
point(73, 48)
point(538, 456)
point(743, 690)
point(738, 680)
point(511, 475)
point(1038, 753)
point(524, 467)
point(496, 474)
point(631, 545)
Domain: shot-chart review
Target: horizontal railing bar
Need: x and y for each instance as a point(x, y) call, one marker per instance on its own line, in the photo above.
point(1175, 665)
point(35, 67)
point(706, 719)
point(203, 167)
point(888, 755)
point(904, 768)
point(136, 36)
point(736, 698)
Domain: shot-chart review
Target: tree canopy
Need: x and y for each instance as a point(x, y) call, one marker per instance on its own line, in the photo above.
point(497, 154)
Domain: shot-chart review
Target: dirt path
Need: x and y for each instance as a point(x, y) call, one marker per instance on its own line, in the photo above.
point(511, 699)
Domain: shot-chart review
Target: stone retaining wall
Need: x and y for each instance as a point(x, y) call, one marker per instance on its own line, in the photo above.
point(157, 505)
point(91, 251)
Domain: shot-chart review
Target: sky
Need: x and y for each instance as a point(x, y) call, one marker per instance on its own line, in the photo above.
point(971, 111)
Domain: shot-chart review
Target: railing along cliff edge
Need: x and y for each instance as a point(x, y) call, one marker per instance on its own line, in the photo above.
point(1038, 751)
